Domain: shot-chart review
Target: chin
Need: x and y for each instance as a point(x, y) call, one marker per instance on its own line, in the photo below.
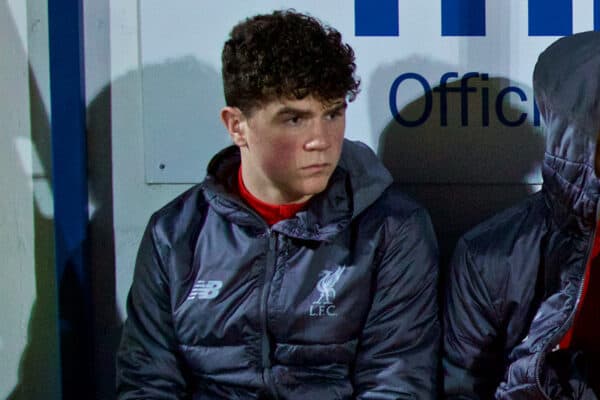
point(315, 186)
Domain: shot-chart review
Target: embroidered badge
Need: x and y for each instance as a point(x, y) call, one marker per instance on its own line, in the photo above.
point(324, 304)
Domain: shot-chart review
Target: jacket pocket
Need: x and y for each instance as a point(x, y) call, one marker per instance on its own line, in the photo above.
point(203, 360)
point(321, 371)
point(315, 354)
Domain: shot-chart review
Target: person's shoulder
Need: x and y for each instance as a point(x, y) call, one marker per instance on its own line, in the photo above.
point(398, 217)
point(395, 205)
point(511, 227)
point(180, 214)
point(507, 247)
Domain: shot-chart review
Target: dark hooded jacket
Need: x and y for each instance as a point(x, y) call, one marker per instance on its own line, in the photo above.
point(338, 302)
point(516, 280)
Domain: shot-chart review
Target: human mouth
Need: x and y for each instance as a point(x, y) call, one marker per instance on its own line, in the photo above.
point(316, 167)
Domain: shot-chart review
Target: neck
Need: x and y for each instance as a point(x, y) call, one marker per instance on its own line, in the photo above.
point(266, 193)
point(271, 213)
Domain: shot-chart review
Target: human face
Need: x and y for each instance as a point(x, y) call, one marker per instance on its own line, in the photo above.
point(291, 148)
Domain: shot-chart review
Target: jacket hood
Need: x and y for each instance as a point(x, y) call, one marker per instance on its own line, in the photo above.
point(566, 81)
point(367, 175)
point(357, 182)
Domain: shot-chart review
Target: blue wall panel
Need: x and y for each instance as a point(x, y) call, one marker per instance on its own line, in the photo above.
point(597, 15)
point(550, 17)
point(69, 178)
point(463, 17)
point(378, 18)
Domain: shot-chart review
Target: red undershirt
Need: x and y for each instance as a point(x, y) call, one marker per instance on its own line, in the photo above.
point(584, 333)
point(271, 213)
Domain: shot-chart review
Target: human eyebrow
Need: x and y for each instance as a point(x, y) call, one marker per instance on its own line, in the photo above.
point(288, 111)
point(342, 105)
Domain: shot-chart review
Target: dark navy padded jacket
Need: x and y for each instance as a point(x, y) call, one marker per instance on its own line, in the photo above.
point(338, 302)
point(515, 280)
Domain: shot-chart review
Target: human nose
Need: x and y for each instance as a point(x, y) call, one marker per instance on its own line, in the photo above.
point(319, 137)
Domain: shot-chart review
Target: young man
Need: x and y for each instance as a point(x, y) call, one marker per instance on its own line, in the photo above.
point(522, 311)
point(294, 271)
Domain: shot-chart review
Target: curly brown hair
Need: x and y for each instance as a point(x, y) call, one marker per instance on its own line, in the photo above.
point(286, 54)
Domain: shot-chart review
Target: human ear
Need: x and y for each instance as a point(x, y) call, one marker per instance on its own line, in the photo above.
point(234, 120)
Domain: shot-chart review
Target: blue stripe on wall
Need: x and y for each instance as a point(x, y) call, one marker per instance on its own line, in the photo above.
point(376, 18)
point(597, 15)
point(551, 17)
point(463, 17)
point(69, 179)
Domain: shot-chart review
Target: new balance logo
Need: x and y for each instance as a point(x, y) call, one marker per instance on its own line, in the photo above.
point(467, 17)
point(205, 290)
point(324, 304)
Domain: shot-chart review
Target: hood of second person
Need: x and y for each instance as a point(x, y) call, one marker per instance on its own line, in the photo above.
point(566, 82)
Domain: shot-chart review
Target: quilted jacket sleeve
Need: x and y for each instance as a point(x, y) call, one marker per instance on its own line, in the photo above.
point(398, 350)
point(147, 363)
point(472, 360)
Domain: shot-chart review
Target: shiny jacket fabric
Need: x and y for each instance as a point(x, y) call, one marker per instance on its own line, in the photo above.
point(515, 280)
point(338, 302)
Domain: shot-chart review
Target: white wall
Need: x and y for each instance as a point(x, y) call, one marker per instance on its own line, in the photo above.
point(134, 200)
point(28, 333)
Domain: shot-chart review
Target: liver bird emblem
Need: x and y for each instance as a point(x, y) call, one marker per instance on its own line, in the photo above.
point(326, 284)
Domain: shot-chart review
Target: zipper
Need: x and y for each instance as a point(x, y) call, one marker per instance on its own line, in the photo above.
point(265, 340)
point(264, 299)
point(569, 320)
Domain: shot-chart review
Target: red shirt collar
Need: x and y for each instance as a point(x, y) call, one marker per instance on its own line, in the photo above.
point(271, 213)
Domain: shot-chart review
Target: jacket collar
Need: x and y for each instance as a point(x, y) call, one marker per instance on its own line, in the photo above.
point(357, 182)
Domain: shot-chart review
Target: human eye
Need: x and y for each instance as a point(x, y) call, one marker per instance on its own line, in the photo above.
point(292, 120)
point(335, 114)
